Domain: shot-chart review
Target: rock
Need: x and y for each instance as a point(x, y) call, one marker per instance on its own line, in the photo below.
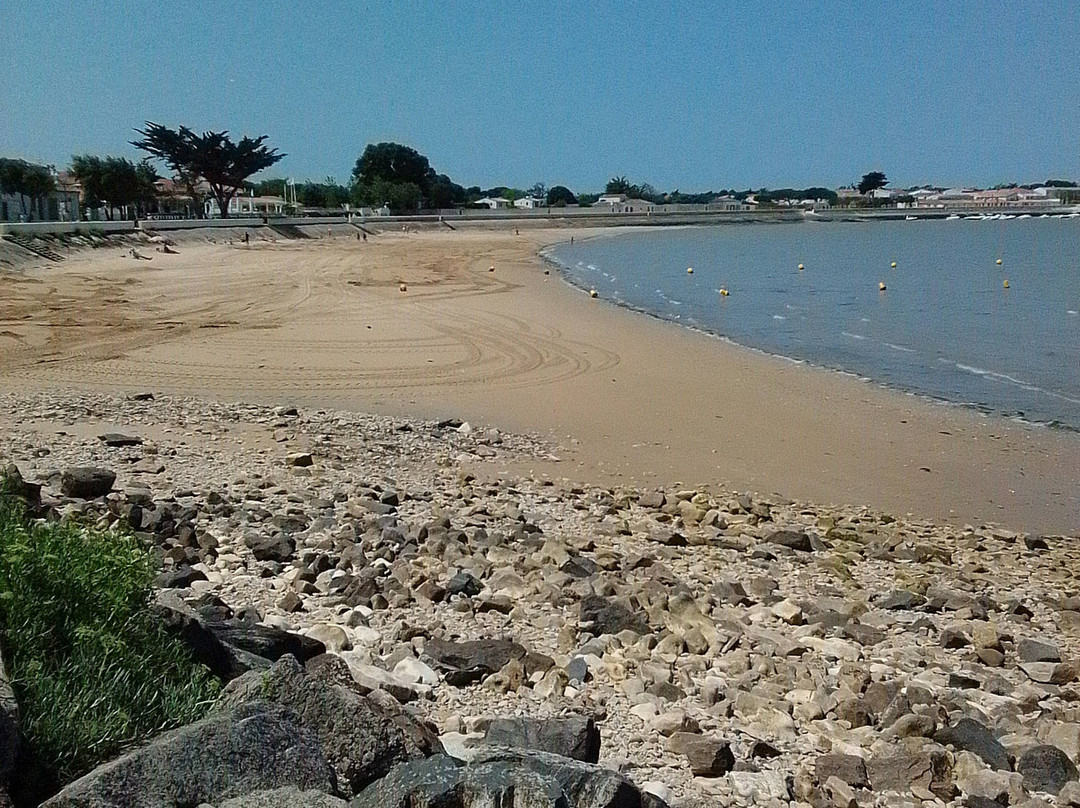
point(289, 797)
point(334, 638)
point(178, 577)
point(1050, 673)
point(792, 539)
point(413, 671)
point(575, 737)
point(1070, 794)
point(670, 722)
point(231, 647)
point(789, 612)
point(849, 768)
point(464, 583)
point(839, 793)
point(118, 439)
point(369, 678)
point(278, 548)
point(902, 771)
point(707, 756)
point(760, 787)
point(86, 482)
point(970, 736)
point(503, 777)
point(606, 616)
point(900, 600)
point(12, 482)
point(361, 740)
point(255, 747)
point(463, 663)
point(975, 780)
point(1046, 768)
point(1037, 651)
point(299, 459)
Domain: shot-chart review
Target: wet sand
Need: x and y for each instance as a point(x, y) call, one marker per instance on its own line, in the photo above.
point(323, 323)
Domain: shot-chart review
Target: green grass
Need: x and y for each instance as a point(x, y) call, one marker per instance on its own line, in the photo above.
point(93, 670)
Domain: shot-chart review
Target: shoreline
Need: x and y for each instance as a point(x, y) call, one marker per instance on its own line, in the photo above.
point(972, 407)
point(322, 324)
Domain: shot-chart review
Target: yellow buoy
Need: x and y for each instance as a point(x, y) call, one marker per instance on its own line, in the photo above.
point(881, 286)
point(724, 292)
point(689, 270)
point(893, 265)
point(999, 262)
point(800, 266)
point(1006, 284)
point(592, 293)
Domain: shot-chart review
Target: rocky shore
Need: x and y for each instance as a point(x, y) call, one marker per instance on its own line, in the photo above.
point(553, 641)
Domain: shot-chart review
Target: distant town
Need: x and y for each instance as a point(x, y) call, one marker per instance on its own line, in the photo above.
point(391, 179)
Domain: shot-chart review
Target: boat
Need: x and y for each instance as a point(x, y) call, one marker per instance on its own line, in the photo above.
point(909, 218)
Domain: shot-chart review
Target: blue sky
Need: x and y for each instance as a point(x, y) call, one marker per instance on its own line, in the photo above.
point(688, 95)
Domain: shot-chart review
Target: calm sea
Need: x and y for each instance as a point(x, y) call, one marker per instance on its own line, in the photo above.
point(945, 327)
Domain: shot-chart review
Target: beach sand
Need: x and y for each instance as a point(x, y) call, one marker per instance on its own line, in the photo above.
point(323, 323)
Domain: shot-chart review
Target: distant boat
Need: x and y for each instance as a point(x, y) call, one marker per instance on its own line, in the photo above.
point(909, 218)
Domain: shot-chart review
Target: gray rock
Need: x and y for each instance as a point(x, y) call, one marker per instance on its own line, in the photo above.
point(902, 771)
point(608, 616)
point(13, 484)
point(849, 768)
point(505, 777)
point(1046, 768)
point(359, 739)
point(118, 439)
point(256, 747)
point(463, 663)
point(574, 737)
point(86, 482)
point(464, 583)
point(792, 539)
point(278, 548)
point(289, 797)
point(230, 647)
point(900, 600)
point(971, 736)
point(1037, 651)
point(708, 757)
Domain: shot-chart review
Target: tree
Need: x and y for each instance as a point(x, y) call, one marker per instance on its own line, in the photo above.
point(538, 191)
point(872, 181)
point(560, 196)
point(31, 182)
point(211, 156)
point(618, 185)
point(115, 182)
point(391, 162)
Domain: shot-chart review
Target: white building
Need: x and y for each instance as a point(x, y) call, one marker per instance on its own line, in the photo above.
point(247, 206)
point(530, 202)
point(494, 202)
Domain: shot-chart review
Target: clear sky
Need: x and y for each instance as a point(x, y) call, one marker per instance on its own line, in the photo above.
point(693, 95)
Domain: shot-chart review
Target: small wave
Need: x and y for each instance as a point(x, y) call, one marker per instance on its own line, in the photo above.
point(1072, 312)
point(779, 317)
point(853, 336)
point(675, 302)
point(590, 266)
point(900, 348)
point(864, 319)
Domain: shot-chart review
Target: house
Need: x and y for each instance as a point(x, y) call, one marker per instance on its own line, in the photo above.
point(620, 203)
point(495, 203)
point(727, 203)
point(248, 206)
point(62, 204)
point(530, 203)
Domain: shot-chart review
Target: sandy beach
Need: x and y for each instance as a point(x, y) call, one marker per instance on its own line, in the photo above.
point(324, 323)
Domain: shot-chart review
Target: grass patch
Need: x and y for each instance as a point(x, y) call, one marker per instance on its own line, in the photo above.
point(93, 669)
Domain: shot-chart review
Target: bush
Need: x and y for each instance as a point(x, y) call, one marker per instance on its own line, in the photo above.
point(94, 671)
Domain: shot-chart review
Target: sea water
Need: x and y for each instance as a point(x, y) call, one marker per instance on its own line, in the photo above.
point(945, 326)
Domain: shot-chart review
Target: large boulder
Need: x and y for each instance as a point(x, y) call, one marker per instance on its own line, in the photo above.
point(1046, 768)
point(504, 777)
point(86, 482)
point(254, 748)
point(574, 737)
point(230, 647)
point(969, 735)
point(360, 738)
point(466, 662)
point(13, 484)
point(288, 797)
